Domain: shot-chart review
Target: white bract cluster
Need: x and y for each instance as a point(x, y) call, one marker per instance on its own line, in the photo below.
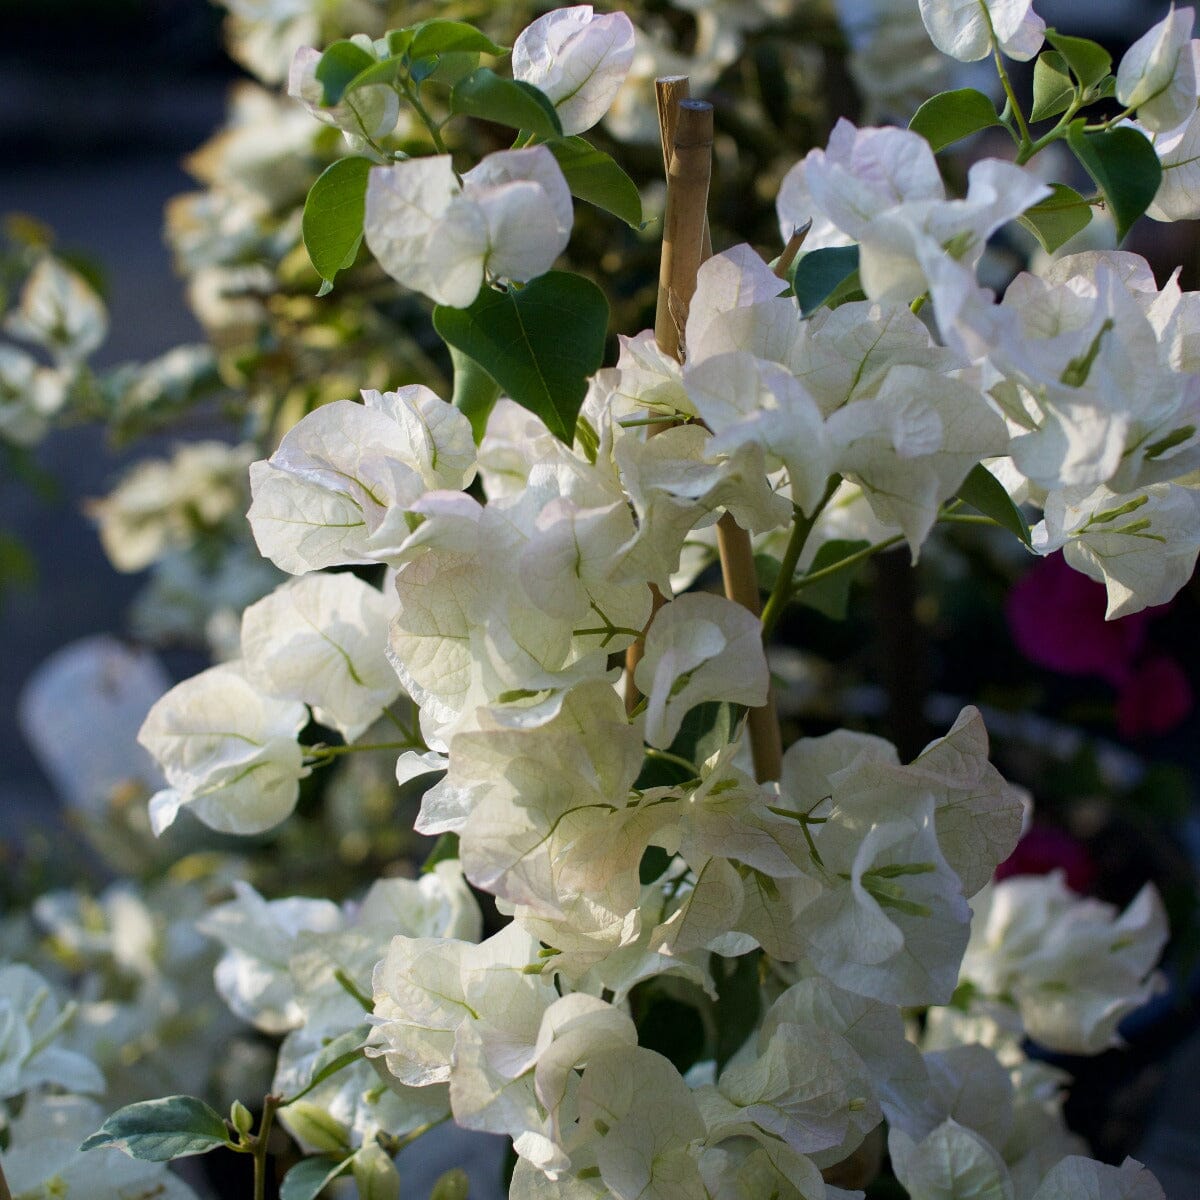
point(626, 838)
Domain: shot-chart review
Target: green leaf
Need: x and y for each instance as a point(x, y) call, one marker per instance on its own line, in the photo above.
point(595, 177)
point(511, 102)
point(341, 1052)
point(705, 729)
point(986, 494)
point(444, 849)
point(438, 36)
point(451, 1185)
point(1125, 167)
point(1087, 59)
point(949, 116)
point(831, 597)
point(819, 275)
point(333, 216)
point(1058, 218)
point(475, 392)
point(385, 71)
point(540, 343)
point(309, 1177)
point(399, 40)
point(668, 1025)
point(339, 65)
point(655, 860)
point(739, 1002)
point(159, 1130)
point(1053, 87)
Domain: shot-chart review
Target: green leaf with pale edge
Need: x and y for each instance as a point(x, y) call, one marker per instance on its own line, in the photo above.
point(511, 102)
point(986, 494)
point(1053, 87)
point(451, 1185)
point(739, 1002)
point(475, 392)
point(1087, 59)
point(160, 1130)
point(309, 1177)
point(444, 849)
point(439, 36)
point(339, 1053)
point(339, 66)
point(333, 216)
point(950, 116)
point(540, 343)
point(595, 177)
point(819, 275)
point(1058, 218)
point(1123, 164)
point(831, 597)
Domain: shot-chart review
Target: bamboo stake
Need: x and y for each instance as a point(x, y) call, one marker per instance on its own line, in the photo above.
point(685, 127)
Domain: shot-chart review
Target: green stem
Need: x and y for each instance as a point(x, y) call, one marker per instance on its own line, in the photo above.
point(270, 1104)
point(677, 759)
point(320, 752)
point(411, 95)
point(968, 519)
point(801, 528)
point(1052, 135)
point(849, 561)
point(1005, 82)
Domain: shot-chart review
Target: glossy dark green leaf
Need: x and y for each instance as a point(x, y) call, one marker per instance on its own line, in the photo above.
point(1053, 87)
point(475, 392)
point(439, 36)
point(309, 1177)
point(332, 223)
point(160, 1130)
point(1125, 167)
point(339, 65)
point(595, 177)
point(819, 275)
point(739, 1002)
point(950, 116)
point(1087, 59)
point(511, 102)
point(668, 1025)
point(540, 343)
point(986, 494)
point(655, 860)
point(1058, 218)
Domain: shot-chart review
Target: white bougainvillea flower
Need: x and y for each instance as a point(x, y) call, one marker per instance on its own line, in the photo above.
point(260, 937)
point(1071, 966)
point(1178, 150)
point(510, 217)
point(863, 173)
point(579, 59)
point(342, 484)
point(952, 1161)
point(968, 29)
point(1077, 1176)
point(893, 923)
point(645, 1120)
point(365, 113)
point(60, 311)
point(229, 752)
point(31, 1023)
point(1157, 75)
point(747, 401)
point(30, 394)
point(699, 647)
point(321, 639)
point(43, 1158)
point(1142, 546)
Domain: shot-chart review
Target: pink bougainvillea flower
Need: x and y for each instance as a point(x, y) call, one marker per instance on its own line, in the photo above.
point(1045, 848)
point(1155, 699)
point(1056, 618)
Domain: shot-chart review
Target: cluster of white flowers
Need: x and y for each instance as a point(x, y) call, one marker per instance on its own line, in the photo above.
point(628, 851)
